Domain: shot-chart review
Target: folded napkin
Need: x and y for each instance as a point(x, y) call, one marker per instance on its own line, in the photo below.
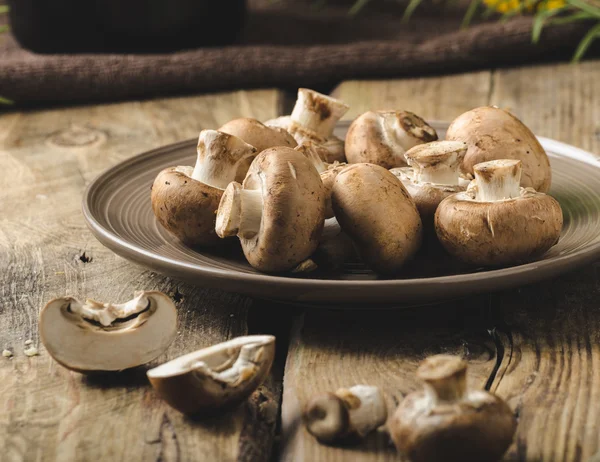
point(284, 47)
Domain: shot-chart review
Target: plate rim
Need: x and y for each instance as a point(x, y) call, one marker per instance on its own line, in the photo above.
point(555, 265)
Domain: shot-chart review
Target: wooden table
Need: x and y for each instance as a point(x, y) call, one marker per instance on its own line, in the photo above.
point(537, 347)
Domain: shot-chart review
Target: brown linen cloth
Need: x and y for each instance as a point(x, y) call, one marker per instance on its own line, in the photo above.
point(284, 48)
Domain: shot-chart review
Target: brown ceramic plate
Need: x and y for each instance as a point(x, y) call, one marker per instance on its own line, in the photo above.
point(117, 208)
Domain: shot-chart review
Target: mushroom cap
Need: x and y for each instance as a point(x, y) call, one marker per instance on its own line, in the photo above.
point(478, 428)
point(377, 212)
point(293, 209)
point(186, 207)
point(382, 137)
point(257, 134)
point(500, 232)
point(427, 196)
point(492, 133)
point(220, 376)
point(327, 418)
point(84, 345)
point(328, 178)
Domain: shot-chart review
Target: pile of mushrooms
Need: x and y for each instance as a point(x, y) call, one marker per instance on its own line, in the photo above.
point(298, 198)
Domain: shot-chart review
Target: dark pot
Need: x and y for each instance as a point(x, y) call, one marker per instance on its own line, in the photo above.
point(61, 26)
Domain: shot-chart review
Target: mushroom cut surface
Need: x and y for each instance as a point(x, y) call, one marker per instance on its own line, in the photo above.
point(492, 133)
point(92, 336)
point(216, 377)
point(375, 210)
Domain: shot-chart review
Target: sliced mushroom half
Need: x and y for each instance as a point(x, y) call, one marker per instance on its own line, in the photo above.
point(94, 336)
point(219, 376)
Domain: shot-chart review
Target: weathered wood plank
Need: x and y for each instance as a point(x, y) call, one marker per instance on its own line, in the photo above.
point(47, 412)
point(550, 369)
point(439, 98)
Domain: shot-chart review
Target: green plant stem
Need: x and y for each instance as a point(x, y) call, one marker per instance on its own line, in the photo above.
point(585, 43)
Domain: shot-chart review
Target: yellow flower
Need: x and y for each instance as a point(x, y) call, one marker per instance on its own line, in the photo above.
point(508, 6)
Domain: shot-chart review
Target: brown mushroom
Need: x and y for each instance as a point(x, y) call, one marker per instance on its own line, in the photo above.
point(432, 176)
point(279, 211)
point(492, 133)
point(377, 212)
point(257, 134)
point(91, 336)
point(382, 137)
point(347, 415)
point(313, 119)
point(185, 199)
point(217, 377)
point(447, 422)
point(495, 222)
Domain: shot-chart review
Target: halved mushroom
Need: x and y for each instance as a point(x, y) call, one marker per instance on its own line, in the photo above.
point(258, 134)
point(383, 137)
point(446, 421)
point(493, 133)
point(93, 336)
point(313, 119)
point(220, 376)
point(279, 211)
point(185, 199)
point(495, 222)
point(377, 212)
point(433, 175)
point(347, 415)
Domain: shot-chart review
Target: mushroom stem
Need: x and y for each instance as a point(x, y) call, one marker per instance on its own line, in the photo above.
point(366, 406)
point(497, 180)
point(437, 162)
point(220, 157)
point(445, 378)
point(317, 112)
point(442, 174)
point(240, 212)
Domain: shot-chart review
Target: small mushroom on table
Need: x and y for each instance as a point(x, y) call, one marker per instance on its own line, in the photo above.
point(258, 134)
point(93, 337)
point(378, 214)
point(432, 176)
point(383, 137)
point(278, 213)
point(496, 222)
point(313, 119)
point(448, 422)
point(492, 133)
point(217, 377)
point(185, 199)
point(347, 415)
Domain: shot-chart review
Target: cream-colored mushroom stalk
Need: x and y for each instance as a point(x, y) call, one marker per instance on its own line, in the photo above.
point(220, 158)
point(346, 414)
point(240, 212)
point(497, 180)
point(317, 112)
point(445, 378)
point(107, 313)
point(437, 162)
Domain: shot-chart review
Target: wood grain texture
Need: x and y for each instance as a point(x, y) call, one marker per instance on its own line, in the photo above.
point(439, 98)
point(46, 412)
point(536, 346)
